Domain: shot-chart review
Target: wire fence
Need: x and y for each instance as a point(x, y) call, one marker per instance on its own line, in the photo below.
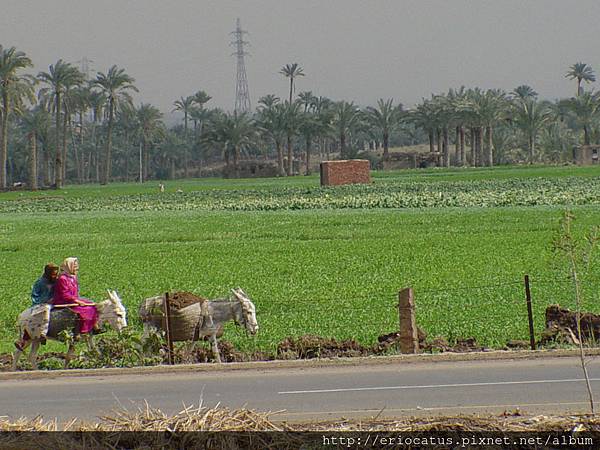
point(493, 313)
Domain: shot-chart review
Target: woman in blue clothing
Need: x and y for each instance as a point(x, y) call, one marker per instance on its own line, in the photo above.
point(43, 289)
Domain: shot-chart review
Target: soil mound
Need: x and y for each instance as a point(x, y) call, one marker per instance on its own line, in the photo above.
point(181, 299)
point(561, 326)
point(309, 346)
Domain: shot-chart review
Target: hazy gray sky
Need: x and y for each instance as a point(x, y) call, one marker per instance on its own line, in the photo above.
point(357, 50)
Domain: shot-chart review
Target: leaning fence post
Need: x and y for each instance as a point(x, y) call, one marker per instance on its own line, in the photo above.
point(529, 312)
point(168, 328)
point(409, 337)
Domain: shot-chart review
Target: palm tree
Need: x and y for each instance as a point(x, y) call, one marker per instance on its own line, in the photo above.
point(456, 102)
point(114, 84)
point(523, 92)
point(425, 116)
point(268, 101)
point(81, 100)
point(59, 78)
point(293, 119)
point(201, 98)
point(35, 122)
point(310, 126)
point(307, 100)
point(185, 105)
point(384, 118)
point(232, 132)
point(586, 109)
point(291, 71)
point(98, 106)
point(12, 88)
point(580, 72)
point(530, 116)
point(345, 117)
point(149, 128)
point(271, 120)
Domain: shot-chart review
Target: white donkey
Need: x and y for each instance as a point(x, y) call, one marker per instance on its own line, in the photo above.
point(200, 320)
point(41, 321)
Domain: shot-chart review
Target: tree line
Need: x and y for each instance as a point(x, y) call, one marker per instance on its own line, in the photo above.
point(59, 126)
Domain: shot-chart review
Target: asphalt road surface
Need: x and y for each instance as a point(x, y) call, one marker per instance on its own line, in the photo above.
point(540, 385)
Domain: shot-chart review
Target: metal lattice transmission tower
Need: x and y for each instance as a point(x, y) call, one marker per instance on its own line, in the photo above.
point(85, 67)
point(242, 97)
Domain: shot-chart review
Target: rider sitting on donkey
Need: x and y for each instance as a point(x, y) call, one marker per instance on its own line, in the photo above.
point(61, 291)
point(66, 293)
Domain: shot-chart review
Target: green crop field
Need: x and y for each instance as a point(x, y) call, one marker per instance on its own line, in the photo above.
point(326, 261)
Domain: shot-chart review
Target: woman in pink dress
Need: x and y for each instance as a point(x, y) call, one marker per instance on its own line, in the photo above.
point(66, 292)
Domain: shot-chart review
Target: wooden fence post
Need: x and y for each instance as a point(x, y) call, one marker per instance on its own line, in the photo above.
point(168, 329)
point(409, 337)
point(529, 313)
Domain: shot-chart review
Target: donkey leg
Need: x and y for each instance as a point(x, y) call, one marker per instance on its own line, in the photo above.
point(17, 354)
point(35, 345)
point(215, 348)
point(69, 355)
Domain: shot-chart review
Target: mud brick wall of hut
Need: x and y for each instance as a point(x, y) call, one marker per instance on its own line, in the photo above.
point(352, 171)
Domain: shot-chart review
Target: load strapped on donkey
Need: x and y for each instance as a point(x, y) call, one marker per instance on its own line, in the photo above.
point(193, 318)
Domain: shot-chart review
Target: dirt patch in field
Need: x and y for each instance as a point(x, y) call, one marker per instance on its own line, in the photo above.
point(561, 327)
point(182, 299)
point(309, 346)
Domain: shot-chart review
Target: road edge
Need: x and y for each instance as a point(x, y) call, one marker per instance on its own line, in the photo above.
point(298, 363)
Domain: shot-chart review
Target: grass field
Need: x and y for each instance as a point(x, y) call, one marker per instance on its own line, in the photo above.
point(321, 261)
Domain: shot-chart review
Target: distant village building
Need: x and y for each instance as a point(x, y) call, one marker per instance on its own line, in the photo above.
point(586, 155)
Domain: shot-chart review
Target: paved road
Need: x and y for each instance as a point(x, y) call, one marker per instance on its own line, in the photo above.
point(541, 385)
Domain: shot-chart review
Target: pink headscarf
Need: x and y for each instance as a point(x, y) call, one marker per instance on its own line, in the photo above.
point(70, 266)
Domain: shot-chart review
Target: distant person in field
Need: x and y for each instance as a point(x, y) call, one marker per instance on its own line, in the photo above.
point(66, 292)
point(43, 288)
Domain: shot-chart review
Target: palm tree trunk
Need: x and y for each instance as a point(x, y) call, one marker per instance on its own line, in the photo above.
point(46, 164)
point(462, 146)
point(291, 89)
point(446, 147)
point(236, 160)
point(308, 148)
point(290, 152)
point(33, 184)
point(64, 144)
point(343, 145)
point(457, 147)
point(489, 150)
point(280, 157)
point(108, 152)
point(531, 148)
point(145, 160)
point(185, 147)
point(4, 146)
point(438, 135)
point(586, 135)
point(431, 141)
point(386, 144)
point(480, 139)
point(58, 164)
point(473, 146)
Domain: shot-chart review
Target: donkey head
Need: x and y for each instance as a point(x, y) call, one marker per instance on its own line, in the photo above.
point(248, 311)
point(112, 311)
